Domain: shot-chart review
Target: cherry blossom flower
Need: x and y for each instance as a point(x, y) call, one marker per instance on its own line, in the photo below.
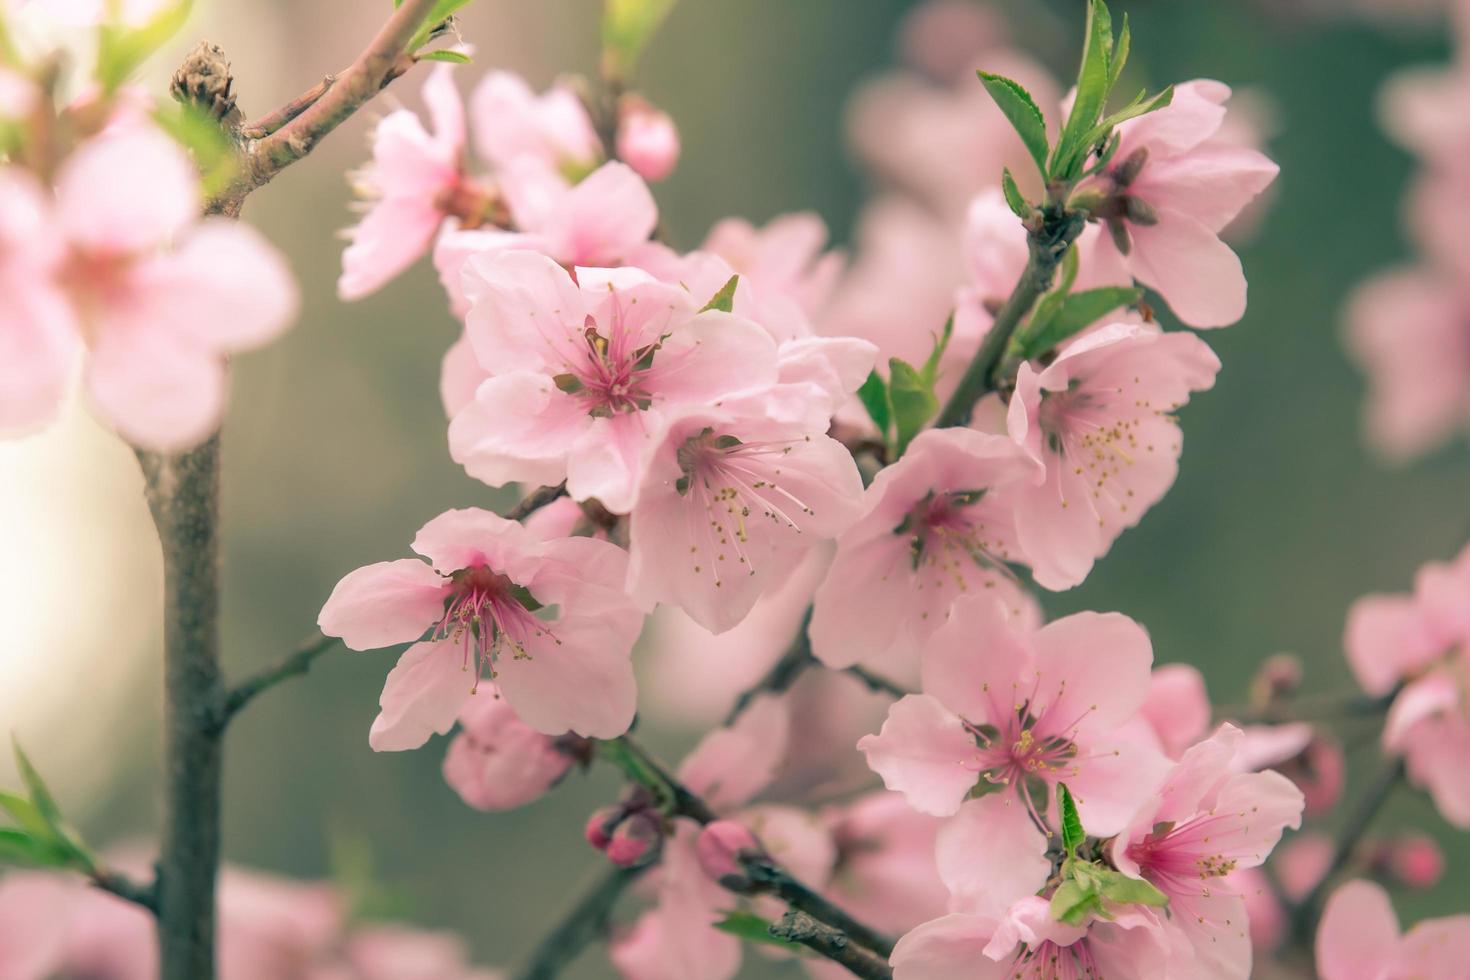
point(1359, 939)
point(513, 124)
point(784, 264)
point(1206, 821)
point(1171, 188)
point(479, 600)
point(1098, 418)
point(1177, 707)
point(648, 140)
point(498, 762)
point(935, 528)
point(119, 265)
point(1421, 642)
point(1409, 331)
point(729, 507)
point(1005, 706)
point(1027, 942)
point(587, 376)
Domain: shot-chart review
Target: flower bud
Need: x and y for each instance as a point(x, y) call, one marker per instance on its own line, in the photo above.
point(1278, 678)
point(1416, 860)
point(600, 826)
point(636, 840)
point(722, 845)
point(648, 141)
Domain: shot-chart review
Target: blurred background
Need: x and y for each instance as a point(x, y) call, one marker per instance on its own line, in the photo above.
point(335, 447)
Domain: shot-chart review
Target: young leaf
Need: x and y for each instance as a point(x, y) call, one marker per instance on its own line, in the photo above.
point(1073, 902)
point(19, 848)
point(41, 797)
point(627, 27)
point(213, 153)
point(1072, 833)
point(1075, 313)
point(1092, 91)
point(941, 344)
point(25, 814)
point(1142, 105)
point(121, 49)
point(753, 929)
point(724, 299)
point(444, 54)
point(1020, 108)
point(1120, 54)
point(1014, 198)
point(913, 400)
point(874, 396)
point(1118, 887)
point(438, 14)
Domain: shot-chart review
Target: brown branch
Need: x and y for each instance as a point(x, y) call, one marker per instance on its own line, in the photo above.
point(535, 501)
point(293, 665)
point(798, 927)
point(276, 118)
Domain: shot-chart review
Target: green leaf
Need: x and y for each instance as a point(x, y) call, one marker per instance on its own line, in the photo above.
point(1118, 887)
point(874, 396)
point(913, 400)
point(1072, 833)
point(1120, 54)
point(19, 848)
point(121, 49)
point(1014, 198)
point(212, 150)
point(1141, 105)
point(753, 929)
point(444, 54)
point(438, 14)
point(724, 299)
point(627, 27)
point(1073, 902)
point(41, 797)
point(1093, 86)
point(1073, 314)
point(1021, 109)
point(941, 344)
point(25, 814)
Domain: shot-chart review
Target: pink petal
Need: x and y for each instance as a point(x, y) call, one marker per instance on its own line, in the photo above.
point(1197, 274)
point(38, 347)
point(1210, 183)
point(578, 679)
point(948, 948)
point(1120, 771)
point(922, 752)
point(713, 355)
point(518, 429)
point(1178, 706)
point(1436, 750)
point(1387, 640)
point(453, 248)
point(160, 391)
point(975, 662)
point(1436, 948)
point(422, 696)
point(384, 604)
point(393, 235)
point(858, 611)
point(511, 122)
point(990, 855)
point(602, 218)
point(731, 765)
point(446, 108)
point(226, 287)
point(128, 190)
point(1434, 694)
point(471, 537)
point(1358, 934)
point(1192, 116)
point(525, 312)
point(611, 458)
point(460, 375)
point(497, 761)
point(1098, 665)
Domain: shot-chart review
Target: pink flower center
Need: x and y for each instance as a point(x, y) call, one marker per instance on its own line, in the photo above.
point(735, 483)
point(1048, 961)
point(1095, 431)
point(1171, 855)
point(488, 615)
point(609, 375)
point(96, 281)
point(949, 535)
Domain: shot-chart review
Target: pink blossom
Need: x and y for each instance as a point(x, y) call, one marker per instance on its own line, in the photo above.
point(785, 264)
point(730, 506)
point(1420, 642)
point(935, 528)
point(945, 38)
point(415, 181)
point(731, 765)
point(1267, 918)
point(1359, 939)
point(648, 140)
point(885, 872)
point(598, 221)
point(1205, 822)
point(497, 761)
point(478, 599)
point(1026, 941)
point(1302, 862)
point(1416, 860)
point(1309, 758)
point(1409, 331)
point(587, 376)
point(512, 124)
point(118, 264)
point(1170, 190)
point(1098, 418)
point(392, 952)
point(1005, 706)
point(1177, 708)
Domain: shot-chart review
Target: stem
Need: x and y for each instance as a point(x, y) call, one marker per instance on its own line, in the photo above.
point(294, 665)
point(769, 878)
point(535, 501)
point(127, 889)
point(1049, 234)
point(877, 683)
point(1326, 707)
point(584, 922)
point(276, 118)
point(1352, 831)
point(183, 494)
point(798, 927)
point(783, 673)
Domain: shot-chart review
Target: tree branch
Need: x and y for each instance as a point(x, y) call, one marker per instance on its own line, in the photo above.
point(294, 665)
point(127, 889)
point(783, 673)
point(1358, 821)
point(798, 927)
point(584, 922)
point(535, 501)
point(276, 118)
point(877, 683)
point(1049, 234)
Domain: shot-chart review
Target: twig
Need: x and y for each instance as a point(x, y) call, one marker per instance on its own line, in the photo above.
point(783, 673)
point(1327, 707)
point(245, 691)
point(798, 927)
point(877, 683)
point(769, 878)
point(535, 501)
point(1050, 233)
point(276, 118)
point(584, 922)
point(127, 889)
point(1358, 820)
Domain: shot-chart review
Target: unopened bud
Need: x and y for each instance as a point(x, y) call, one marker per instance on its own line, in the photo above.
point(1127, 170)
point(1279, 677)
point(600, 826)
point(1416, 860)
point(721, 847)
point(636, 840)
point(648, 140)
